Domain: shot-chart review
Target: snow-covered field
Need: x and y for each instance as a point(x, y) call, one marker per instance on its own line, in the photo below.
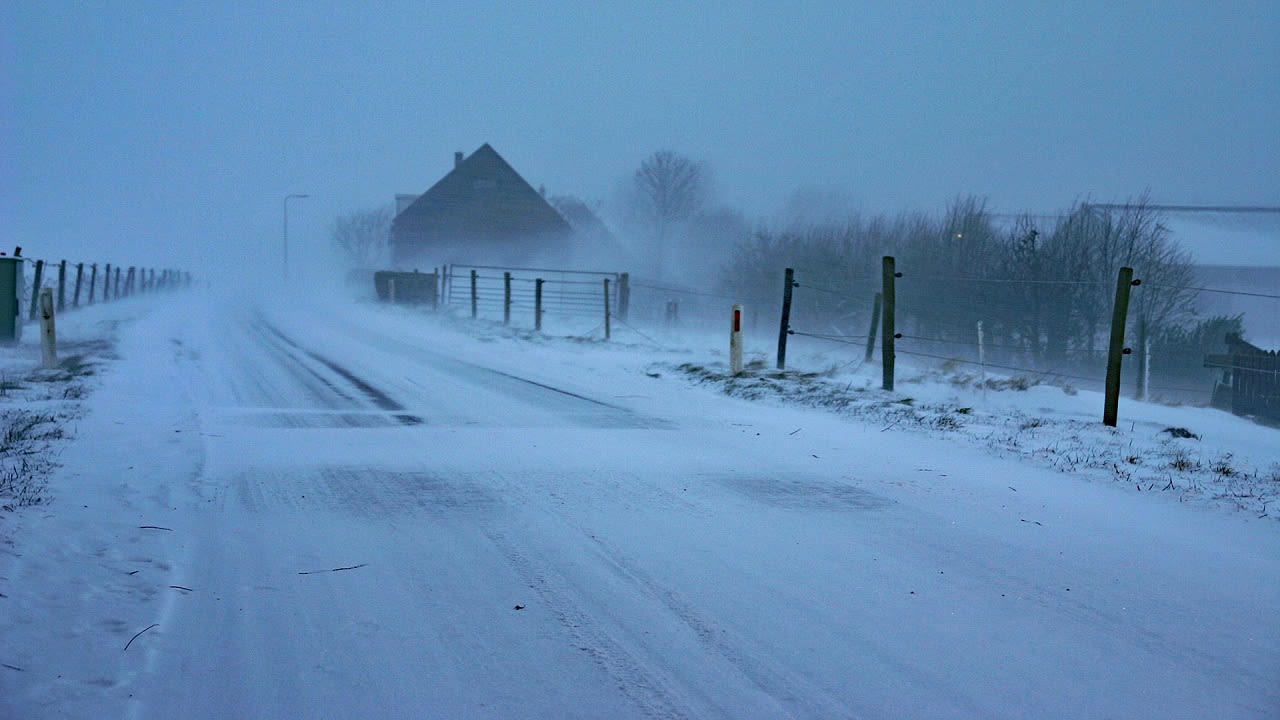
point(345, 510)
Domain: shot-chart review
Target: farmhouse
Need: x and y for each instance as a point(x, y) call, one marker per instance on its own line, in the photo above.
point(482, 212)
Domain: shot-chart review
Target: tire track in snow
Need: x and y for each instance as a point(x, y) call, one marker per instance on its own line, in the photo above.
point(581, 409)
point(644, 688)
point(293, 350)
point(789, 689)
point(259, 374)
point(794, 693)
point(791, 692)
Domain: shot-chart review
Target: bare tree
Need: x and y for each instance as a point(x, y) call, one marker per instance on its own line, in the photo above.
point(364, 235)
point(670, 189)
point(1088, 245)
point(950, 253)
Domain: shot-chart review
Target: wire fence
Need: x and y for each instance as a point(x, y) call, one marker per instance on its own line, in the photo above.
point(1041, 329)
point(1044, 329)
point(570, 301)
point(80, 284)
point(657, 304)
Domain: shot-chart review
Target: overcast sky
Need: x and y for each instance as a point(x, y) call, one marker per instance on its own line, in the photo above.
point(166, 132)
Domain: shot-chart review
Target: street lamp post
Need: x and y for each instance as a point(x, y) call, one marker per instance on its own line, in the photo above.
point(287, 198)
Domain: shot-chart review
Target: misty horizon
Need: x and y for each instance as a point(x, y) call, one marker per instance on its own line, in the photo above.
point(174, 133)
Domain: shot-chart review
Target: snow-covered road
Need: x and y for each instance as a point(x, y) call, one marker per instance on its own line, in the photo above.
point(348, 512)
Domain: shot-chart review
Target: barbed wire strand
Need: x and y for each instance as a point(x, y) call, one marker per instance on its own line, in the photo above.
point(633, 329)
point(695, 293)
point(828, 338)
point(1179, 389)
point(990, 346)
point(1014, 281)
point(827, 273)
point(1053, 373)
point(803, 286)
point(1214, 290)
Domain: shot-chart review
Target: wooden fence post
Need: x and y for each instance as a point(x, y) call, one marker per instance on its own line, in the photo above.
point(607, 332)
point(62, 285)
point(106, 284)
point(35, 290)
point(1117, 350)
point(93, 281)
point(75, 302)
point(537, 304)
point(474, 297)
point(888, 327)
point(506, 298)
point(784, 326)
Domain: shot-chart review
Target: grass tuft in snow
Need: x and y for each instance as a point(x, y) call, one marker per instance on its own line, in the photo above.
point(28, 437)
point(24, 456)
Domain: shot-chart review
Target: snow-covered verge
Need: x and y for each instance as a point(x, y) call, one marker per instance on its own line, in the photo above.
point(80, 561)
point(39, 407)
point(1190, 454)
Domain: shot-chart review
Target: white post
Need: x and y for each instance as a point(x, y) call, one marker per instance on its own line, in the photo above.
point(1146, 369)
point(391, 290)
point(982, 361)
point(735, 342)
point(48, 337)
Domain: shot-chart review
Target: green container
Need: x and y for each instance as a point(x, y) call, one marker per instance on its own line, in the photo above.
point(12, 285)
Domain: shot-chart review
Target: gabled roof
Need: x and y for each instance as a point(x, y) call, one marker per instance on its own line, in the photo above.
point(579, 216)
point(483, 198)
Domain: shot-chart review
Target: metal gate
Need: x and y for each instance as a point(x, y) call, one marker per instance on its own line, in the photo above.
point(531, 296)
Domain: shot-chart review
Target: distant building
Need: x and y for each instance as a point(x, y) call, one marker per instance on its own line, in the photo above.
point(1251, 381)
point(594, 245)
point(481, 213)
